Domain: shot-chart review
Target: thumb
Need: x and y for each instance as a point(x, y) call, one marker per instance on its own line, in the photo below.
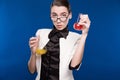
point(38, 37)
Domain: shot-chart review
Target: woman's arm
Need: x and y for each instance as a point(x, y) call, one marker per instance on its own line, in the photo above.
point(33, 43)
point(77, 58)
point(32, 63)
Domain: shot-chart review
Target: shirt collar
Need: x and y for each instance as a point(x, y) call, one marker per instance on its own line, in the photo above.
point(63, 33)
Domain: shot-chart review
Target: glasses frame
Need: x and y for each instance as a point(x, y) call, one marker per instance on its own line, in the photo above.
point(55, 19)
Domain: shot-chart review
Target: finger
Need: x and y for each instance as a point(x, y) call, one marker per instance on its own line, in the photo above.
point(33, 41)
point(83, 16)
point(33, 45)
point(33, 38)
point(85, 21)
point(84, 24)
point(38, 37)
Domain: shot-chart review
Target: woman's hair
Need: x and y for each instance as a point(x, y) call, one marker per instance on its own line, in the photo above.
point(64, 3)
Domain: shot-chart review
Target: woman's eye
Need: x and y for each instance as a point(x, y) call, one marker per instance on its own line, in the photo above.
point(64, 15)
point(54, 15)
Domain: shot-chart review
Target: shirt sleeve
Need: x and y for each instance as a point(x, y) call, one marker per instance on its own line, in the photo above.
point(77, 67)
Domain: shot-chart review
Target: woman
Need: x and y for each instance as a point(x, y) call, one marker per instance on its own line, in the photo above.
point(64, 48)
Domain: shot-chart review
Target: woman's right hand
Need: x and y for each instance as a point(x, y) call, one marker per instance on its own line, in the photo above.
point(33, 44)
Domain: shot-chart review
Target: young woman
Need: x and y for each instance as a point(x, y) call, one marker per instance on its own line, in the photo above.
point(64, 48)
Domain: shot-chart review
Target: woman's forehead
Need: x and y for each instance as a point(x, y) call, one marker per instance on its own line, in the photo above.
point(59, 9)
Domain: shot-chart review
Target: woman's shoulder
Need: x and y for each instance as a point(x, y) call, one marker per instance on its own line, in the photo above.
point(75, 34)
point(43, 31)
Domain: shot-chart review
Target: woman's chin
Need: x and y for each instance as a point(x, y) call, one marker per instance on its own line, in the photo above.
point(60, 28)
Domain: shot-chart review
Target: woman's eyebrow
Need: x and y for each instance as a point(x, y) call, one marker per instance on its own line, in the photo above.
point(53, 13)
point(64, 13)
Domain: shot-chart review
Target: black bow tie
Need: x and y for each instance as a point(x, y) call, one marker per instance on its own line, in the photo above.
point(59, 33)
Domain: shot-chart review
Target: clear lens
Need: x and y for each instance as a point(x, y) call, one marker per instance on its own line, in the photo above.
point(62, 19)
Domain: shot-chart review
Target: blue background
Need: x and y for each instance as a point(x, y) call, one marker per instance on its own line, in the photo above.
point(20, 19)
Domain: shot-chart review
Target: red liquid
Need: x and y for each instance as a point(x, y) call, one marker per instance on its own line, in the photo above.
point(77, 26)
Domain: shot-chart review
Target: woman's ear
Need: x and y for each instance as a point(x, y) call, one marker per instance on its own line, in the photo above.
point(70, 15)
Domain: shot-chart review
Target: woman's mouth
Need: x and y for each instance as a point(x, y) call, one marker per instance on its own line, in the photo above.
point(59, 26)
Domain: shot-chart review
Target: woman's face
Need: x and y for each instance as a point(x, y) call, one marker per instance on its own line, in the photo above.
point(60, 17)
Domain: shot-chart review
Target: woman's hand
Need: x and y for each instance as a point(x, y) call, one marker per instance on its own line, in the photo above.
point(33, 44)
point(85, 22)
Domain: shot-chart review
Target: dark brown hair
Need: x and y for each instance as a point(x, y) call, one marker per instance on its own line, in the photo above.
point(61, 3)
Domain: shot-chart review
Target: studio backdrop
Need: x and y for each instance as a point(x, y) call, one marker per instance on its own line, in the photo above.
point(20, 19)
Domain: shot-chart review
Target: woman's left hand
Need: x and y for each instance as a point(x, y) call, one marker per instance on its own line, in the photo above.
point(85, 22)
